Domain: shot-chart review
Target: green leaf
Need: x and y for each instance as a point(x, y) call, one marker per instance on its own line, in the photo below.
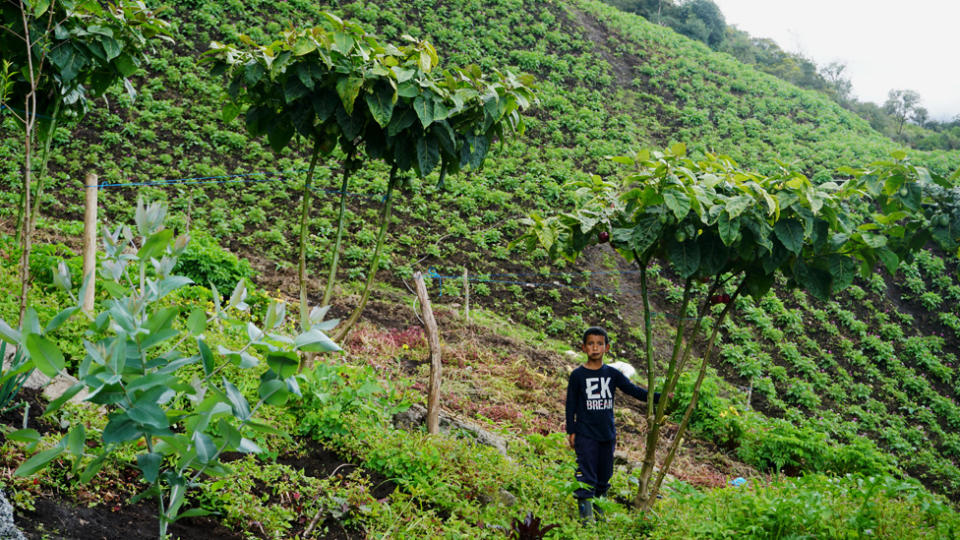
point(45, 355)
point(126, 65)
point(8, 334)
point(206, 356)
point(428, 154)
point(380, 103)
point(304, 46)
point(889, 259)
point(279, 133)
point(94, 467)
point(60, 318)
point(40, 7)
point(55, 405)
point(24, 436)
point(229, 112)
point(738, 205)
point(40, 460)
point(684, 256)
point(314, 340)
point(790, 234)
point(424, 110)
point(679, 149)
point(843, 270)
point(170, 284)
point(155, 245)
point(205, 447)
point(148, 414)
point(197, 322)
point(283, 363)
point(348, 88)
point(194, 512)
point(149, 464)
point(875, 241)
point(120, 429)
point(274, 392)
point(814, 280)
point(677, 201)
point(75, 441)
point(241, 409)
point(728, 229)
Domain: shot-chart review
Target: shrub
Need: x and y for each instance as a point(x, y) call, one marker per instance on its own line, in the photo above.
point(205, 262)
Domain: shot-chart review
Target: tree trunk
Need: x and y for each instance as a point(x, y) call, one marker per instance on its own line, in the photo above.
point(44, 160)
point(302, 267)
point(671, 453)
point(375, 261)
point(649, 456)
point(332, 278)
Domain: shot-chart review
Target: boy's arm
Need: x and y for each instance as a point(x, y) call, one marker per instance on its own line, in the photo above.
point(571, 409)
point(627, 387)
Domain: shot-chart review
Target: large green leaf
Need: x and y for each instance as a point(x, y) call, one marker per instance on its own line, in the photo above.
point(790, 234)
point(348, 88)
point(149, 464)
point(120, 428)
point(314, 340)
point(424, 108)
point(428, 154)
point(40, 460)
point(205, 447)
point(283, 363)
point(274, 392)
point(45, 355)
point(843, 270)
point(677, 201)
point(206, 356)
point(155, 245)
point(684, 256)
point(380, 102)
point(241, 409)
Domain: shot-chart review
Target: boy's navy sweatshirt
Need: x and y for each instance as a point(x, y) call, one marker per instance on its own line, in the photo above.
point(590, 401)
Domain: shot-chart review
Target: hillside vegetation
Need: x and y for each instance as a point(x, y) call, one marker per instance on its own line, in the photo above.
point(843, 415)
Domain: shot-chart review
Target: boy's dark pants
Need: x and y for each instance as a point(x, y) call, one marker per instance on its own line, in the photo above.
point(594, 465)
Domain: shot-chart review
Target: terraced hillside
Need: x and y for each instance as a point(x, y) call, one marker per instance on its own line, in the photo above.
point(865, 384)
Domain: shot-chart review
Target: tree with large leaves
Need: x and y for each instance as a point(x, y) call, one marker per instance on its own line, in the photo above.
point(58, 55)
point(337, 86)
point(734, 230)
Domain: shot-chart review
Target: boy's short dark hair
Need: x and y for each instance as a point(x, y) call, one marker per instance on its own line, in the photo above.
point(596, 331)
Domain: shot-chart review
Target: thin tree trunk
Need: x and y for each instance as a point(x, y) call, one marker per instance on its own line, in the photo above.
point(332, 278)
point(375, 262)
point(693, 400)
point(44, 160)
point(304, 214)
point(649, 456)
point(29, 123)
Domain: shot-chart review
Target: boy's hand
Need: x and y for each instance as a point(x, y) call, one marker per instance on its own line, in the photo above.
point(570, 438)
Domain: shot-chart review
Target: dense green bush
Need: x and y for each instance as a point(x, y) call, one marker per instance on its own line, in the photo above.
point(205, 262)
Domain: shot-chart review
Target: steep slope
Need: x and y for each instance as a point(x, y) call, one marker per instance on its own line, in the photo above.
point(610, 83)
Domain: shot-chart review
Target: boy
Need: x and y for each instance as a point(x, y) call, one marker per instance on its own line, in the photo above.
point(590, 429)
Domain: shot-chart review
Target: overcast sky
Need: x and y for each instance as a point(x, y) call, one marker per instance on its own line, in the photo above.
point(886, 45)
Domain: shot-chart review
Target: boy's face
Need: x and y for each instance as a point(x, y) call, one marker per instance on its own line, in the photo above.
point(595, 346)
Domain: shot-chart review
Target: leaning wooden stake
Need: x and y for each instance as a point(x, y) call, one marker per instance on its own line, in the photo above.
point(89, 241)
point(433, 338)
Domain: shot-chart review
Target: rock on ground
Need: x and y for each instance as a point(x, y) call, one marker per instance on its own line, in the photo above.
point(8, 531)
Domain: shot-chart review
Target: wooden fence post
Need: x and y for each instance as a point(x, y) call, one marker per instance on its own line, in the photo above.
point(466, 294)
point(433, 339)
point(90, 241)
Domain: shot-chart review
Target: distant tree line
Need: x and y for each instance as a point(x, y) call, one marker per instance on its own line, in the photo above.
point(901, 117)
